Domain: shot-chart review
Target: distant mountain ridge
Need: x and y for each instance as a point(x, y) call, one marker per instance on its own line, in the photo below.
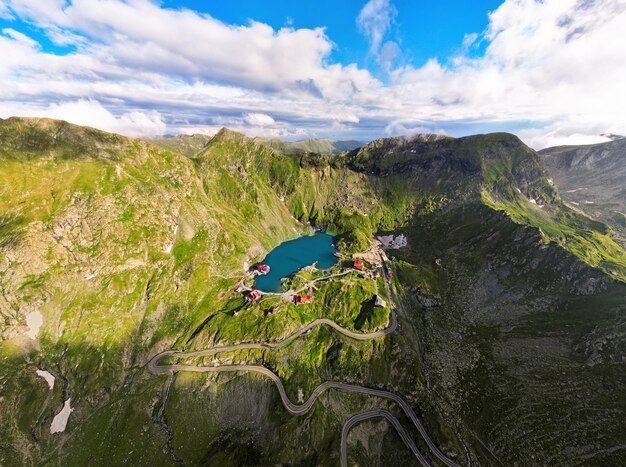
point(190, 145)
point(187, 145)
point(319, 146)
point(593, 179)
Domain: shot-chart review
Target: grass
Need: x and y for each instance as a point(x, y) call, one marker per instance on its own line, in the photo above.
point(584, 237)
point(102, 206)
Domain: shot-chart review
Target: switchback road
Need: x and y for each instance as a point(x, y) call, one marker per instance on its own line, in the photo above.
point(296, 409)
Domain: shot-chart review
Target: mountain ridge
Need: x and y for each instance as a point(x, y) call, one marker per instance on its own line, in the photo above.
point(139, 250)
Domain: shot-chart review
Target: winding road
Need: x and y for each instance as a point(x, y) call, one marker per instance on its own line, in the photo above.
point(361, 417)
point(298, 409)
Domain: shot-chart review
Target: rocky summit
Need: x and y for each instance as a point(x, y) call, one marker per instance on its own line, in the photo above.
point(131, 333)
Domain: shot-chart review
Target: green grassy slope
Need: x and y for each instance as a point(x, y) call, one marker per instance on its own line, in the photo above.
point(187, 145)
point(127, 249)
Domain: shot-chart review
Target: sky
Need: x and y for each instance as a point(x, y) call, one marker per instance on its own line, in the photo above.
point(552, 71)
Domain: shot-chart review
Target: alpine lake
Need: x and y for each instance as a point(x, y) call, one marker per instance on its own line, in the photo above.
point(293, 255)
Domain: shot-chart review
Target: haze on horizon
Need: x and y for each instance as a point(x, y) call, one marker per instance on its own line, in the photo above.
point(552, 71)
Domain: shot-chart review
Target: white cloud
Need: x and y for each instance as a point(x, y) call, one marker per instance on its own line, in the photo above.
point(259, 119)
point(92, 113)
point(374, 20)
point(559, 64)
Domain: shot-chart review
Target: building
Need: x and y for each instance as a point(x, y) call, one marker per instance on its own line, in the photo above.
point(254, 295)
point(358, 264)
point(262, 268)
point(380, 302)
point(303, 299)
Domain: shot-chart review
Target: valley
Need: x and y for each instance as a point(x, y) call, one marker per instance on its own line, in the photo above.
point(500, 342)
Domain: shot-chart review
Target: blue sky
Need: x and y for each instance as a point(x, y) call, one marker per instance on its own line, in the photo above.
point(426, 29)
point(550, 71)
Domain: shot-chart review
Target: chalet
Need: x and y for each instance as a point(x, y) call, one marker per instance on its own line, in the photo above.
point(262, 269)
point(303, 299)
point(254, 295)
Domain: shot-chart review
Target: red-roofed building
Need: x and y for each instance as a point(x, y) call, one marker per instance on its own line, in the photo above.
point(358, 264)
point(303, 299)
point(254, 295)
point(262, 268)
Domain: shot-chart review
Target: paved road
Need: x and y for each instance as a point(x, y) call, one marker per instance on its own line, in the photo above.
point(296, 409)
point(153, 367)
point(306, 406)
point(361, 417)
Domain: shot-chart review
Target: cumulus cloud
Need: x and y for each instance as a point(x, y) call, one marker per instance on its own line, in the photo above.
point(259, 119)
point(92, 113)
point(554, 68)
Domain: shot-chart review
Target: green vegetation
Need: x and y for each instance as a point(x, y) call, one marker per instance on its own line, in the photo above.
point(311, 145)
point(127, 249)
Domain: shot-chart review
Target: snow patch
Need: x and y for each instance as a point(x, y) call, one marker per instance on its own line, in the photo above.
point(533, 200)
point(34, 320)
point(391, 242)
point(589, 202)
point(169, 247)
point(60, 420)
point(47, 376)
point(575, 203)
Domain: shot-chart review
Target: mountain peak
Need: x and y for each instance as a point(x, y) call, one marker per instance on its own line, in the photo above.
point(226, 134)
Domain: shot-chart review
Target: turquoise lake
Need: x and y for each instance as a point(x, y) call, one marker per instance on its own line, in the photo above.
point(291, 256)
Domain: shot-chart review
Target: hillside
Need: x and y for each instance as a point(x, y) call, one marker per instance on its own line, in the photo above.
point(591, 178)
point(510, 349)
point(187, 145)
point(314, 145)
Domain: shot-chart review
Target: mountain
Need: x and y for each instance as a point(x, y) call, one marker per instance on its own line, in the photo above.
point(318, 146)
point(187, 145)
point(591, 178)
point(511, 304)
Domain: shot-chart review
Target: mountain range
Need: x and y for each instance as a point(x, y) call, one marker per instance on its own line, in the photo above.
point(591, 178)
point(191, 144)
point(511, 299)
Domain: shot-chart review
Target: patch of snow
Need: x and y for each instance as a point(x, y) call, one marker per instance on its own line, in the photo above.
point(47, 376)
point(282, 198)
point(589, 202)
point(170, 246)
point(573, 191)
point(519, 191)
point(533, 200)
point(391, 242)
point(60, 420)
point(575, 203)
point(89, 277)
point(34, 320)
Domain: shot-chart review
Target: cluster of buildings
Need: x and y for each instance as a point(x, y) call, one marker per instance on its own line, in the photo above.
point(263, 269)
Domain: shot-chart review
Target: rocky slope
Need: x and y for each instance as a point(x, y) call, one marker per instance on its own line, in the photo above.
point(314, 145)
point(591, 178)
point(511, 350)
